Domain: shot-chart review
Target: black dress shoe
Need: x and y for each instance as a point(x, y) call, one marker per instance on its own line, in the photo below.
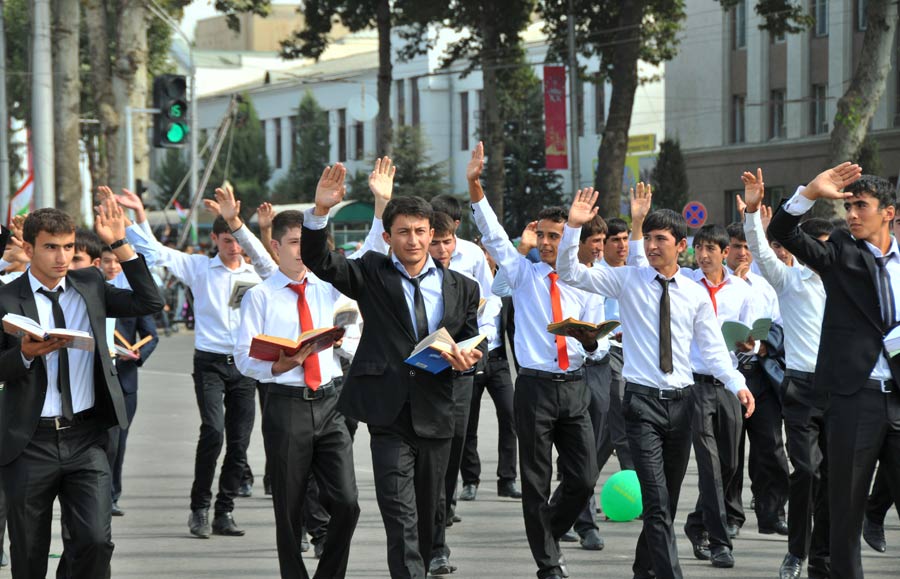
point(873, 533)
point(592, 541)
point(267, 488)
point(779, 528)
point(700, 545)
point(319, 548)
point(245, 490)
point(791, 567)
point(563, 568)
point(440, 566)
point(198, 523)
point(721, 558)
point(508, 488)
point(569, 536)
point(468, 492)
point(116, 511)
point(733, 531)
point(223, 524)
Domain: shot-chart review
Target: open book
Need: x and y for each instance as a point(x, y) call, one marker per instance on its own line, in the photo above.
point(892, 342)
point(267, 348)
point(129, 351)
point(427, 353)
point(735, 332)
point(20, 325)
point(346, 316)
point(562, 328)
point(238, 289)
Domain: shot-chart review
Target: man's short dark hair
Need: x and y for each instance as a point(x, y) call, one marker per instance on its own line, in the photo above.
point(595, 226)
point(414, 206)
point(666, 220)
point(88, 242)
point(555, 214)
point(878, 187)
point(448, 204)
point(220, 226)
point(712, 233)
point(817, 227)
point(736, 231)
point(285, 221)
point(49, 220)
point(443, 224)
point(615, 226)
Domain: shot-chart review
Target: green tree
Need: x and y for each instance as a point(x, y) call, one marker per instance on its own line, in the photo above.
point(168, 176)
point(669, 177)
point(416, 175)
point(311, 152)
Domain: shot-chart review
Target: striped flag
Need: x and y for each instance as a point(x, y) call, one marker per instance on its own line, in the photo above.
point(23, 201)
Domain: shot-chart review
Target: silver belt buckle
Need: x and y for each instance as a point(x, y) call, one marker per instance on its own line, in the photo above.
point(668, 394)
point(56, 423)
point(886, 386)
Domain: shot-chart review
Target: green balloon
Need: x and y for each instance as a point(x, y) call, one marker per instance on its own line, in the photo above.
point(620, 497)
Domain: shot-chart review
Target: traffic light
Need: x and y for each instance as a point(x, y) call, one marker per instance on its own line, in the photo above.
point(170, 125)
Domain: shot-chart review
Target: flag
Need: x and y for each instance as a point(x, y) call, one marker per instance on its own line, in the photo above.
point(182, 216)
point(555, 142)
point(23, 201)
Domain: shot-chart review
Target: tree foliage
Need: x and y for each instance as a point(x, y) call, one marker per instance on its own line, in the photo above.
point(669, 177)
point(311, 153)
point(168, 176)
point(869, 157)
point(416, 174)
point(779, 16)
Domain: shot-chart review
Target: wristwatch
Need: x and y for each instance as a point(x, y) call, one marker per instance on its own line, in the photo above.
point(118, 244)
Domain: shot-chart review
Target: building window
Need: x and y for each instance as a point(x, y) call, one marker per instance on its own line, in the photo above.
point(415, 101)
point(342, 134)
point(820, 13)
point(401, 103)
point(777, 124)
point(777, 38)
point(739, 25)
point(359, 141)
point(278, 146)
point(737, 119)
point(464, 120)
point(818, 123)
point(861, 20)
point(599, 105)
point(291, 151)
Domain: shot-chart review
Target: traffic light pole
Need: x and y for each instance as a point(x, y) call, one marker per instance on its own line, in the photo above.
point(129, 141)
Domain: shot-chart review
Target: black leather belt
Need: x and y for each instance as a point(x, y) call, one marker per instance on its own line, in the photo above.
point(601, 362)
point(886, 386)
point(553, 376)
point(497, 354)
point(662, 394)
point(60, 423)
point(227, 358)
point(308, 394)
point(806, 376)
point(707, 379)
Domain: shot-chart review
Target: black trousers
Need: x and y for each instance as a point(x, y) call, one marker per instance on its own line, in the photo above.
point(226, 400)
point(716, 427)
point(304, 437)
point(767, 463)
point(863, 428)
point(613, 437)
point(248, 478)
point(409, 479)
point(118, 440)
point(598, 378)
point(804, 420)
point(548, 414)
point(462, 402)
point(70, 464)
point(659, 433)
point(879, 503)
point(496, 380)
point(315, 517)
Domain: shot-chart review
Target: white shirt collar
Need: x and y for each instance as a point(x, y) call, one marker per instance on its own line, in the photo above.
point(429, 265)
point(36, 285)
point(893, 250)
point(281, 280)
point(217, 262)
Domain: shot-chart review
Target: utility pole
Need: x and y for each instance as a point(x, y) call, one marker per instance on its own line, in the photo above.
point(42, 108)
point(573, 103)
point(5, 193)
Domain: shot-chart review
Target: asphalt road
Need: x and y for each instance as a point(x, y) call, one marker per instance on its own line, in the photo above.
point(152, 539)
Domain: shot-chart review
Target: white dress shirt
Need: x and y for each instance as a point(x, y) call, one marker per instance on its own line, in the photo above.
point(271, 308)
point(468, 259)
point(733, 304)
point(801, 298)
point(535, 346)
point(81, 363)
point(692, 319)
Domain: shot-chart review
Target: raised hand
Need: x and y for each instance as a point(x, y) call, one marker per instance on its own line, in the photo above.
point(765, 216)
point(212, 206)
point(264, 215)
point(830, 184)
point(229, 207)
point(583, 207)
point(15, 251)
point(109, 223)
point(18, 222)
point(381, 179)
point(331, 189)
point(476, 163)
point(641, 201)
point(754, 191)
point(529, 238)
point(740, 205)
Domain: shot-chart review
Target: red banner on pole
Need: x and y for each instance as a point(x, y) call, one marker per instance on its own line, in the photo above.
point(556, 145)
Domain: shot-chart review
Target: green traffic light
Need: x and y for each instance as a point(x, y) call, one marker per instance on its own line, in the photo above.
point(176, 133)
point(176, 111)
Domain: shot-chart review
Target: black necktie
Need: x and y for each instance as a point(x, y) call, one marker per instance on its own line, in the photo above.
point(888, 310)
point(62, 375)
point(665, 327)
point(419, 307)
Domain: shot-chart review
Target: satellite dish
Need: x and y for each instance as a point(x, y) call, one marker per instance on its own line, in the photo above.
point(362, 107)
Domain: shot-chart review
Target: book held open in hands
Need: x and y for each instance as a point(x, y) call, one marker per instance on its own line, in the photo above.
point(427, 353)
point(20, 325)
point(564, 327)
point(129, 351)
point(238, 289)
point(267, 348)
point(736, 332)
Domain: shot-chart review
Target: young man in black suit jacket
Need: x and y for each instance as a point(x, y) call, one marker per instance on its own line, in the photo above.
point(861, 274)
point(409, 411)
point(58, 403)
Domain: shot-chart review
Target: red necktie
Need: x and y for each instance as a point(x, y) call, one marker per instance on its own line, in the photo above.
point(311, 371)
point(713, 290)
point(562, 354)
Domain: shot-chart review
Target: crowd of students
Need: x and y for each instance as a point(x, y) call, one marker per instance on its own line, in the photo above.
point(801, 373)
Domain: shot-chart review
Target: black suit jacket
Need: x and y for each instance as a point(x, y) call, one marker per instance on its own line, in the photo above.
point(852, 327)
point(25, 388)
point(134, 330)
point(379, 383)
